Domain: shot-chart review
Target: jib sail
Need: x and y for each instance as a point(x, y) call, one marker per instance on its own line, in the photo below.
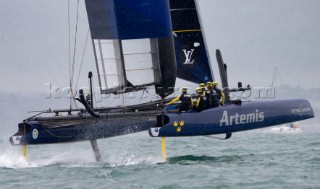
point(133, 44)
point(193, 63)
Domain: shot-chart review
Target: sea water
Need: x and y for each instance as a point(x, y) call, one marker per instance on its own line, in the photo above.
point(254, 159)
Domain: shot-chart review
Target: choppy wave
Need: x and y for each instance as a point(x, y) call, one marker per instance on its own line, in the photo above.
point(254, 160)
point(193, 159)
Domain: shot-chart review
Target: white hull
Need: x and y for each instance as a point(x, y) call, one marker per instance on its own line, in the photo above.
point(291, 127)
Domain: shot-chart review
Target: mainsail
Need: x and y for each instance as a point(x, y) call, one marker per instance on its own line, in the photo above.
point(133, 45)
point(193, 63)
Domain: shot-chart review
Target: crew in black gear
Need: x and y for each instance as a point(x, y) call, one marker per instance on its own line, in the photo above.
point(209, 93)
point(201, 103)
point(219, 95)
point(215, 97)
point(186, 100)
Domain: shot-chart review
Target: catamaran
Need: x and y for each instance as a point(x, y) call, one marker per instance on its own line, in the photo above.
point(143, 43)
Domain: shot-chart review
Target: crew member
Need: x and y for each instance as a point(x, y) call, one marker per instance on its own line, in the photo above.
point(203, 88)
point(186, 100)
point(201, 100)
point(209, 94)
point(220, 94)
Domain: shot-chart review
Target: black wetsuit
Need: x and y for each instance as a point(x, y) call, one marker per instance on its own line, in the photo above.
point(185, 99)
point(209, 94)
point(216, 97)
point(202, 104)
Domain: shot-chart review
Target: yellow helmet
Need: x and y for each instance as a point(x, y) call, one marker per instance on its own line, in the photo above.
point(198, 90)
point(208, 84)
point(214, 83)
point(184, 89)
point(202, 85)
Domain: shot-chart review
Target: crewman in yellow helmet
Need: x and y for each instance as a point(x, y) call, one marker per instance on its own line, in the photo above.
point(209, 93)
point(186, 100)
point(220, 94)
point(201, 102)
point(203, 88)
point(208, 85)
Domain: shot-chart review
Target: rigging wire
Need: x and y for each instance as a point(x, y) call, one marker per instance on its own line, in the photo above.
point(73, 59)
point(276, 79)
point(69, 60)
point(75, 43)
point(69, 45)
point(84, 51)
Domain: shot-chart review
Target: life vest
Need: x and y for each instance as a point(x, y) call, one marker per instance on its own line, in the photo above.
point(185, 99)
point(215, 98)
point(209, 94)
point(219, 93)
point(201, 103)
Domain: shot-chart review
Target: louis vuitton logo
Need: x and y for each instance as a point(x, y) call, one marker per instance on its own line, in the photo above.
point(188, 55)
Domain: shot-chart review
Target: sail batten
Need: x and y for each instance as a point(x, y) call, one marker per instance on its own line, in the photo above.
point(109, 62)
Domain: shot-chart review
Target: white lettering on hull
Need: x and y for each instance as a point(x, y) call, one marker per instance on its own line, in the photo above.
point(238, 119)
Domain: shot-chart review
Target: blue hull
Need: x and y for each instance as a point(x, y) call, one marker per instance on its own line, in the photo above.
point(233, 118)
point(79, 129)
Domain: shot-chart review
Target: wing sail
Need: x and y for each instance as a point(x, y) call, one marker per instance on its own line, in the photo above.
point(133, 44)
point(193, 62)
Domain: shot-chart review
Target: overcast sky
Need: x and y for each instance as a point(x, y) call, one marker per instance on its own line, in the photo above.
point(255, 37)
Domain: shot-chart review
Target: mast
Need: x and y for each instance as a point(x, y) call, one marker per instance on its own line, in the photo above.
point(223, 75)
point(125, 82)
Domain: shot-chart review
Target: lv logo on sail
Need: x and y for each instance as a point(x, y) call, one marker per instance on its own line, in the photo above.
point(188, 55)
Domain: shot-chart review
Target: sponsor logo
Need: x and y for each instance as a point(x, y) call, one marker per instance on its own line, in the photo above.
point(238, 119)
point(300, 110)
point(178, 125)
point(188, 55)
point(35, 134)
